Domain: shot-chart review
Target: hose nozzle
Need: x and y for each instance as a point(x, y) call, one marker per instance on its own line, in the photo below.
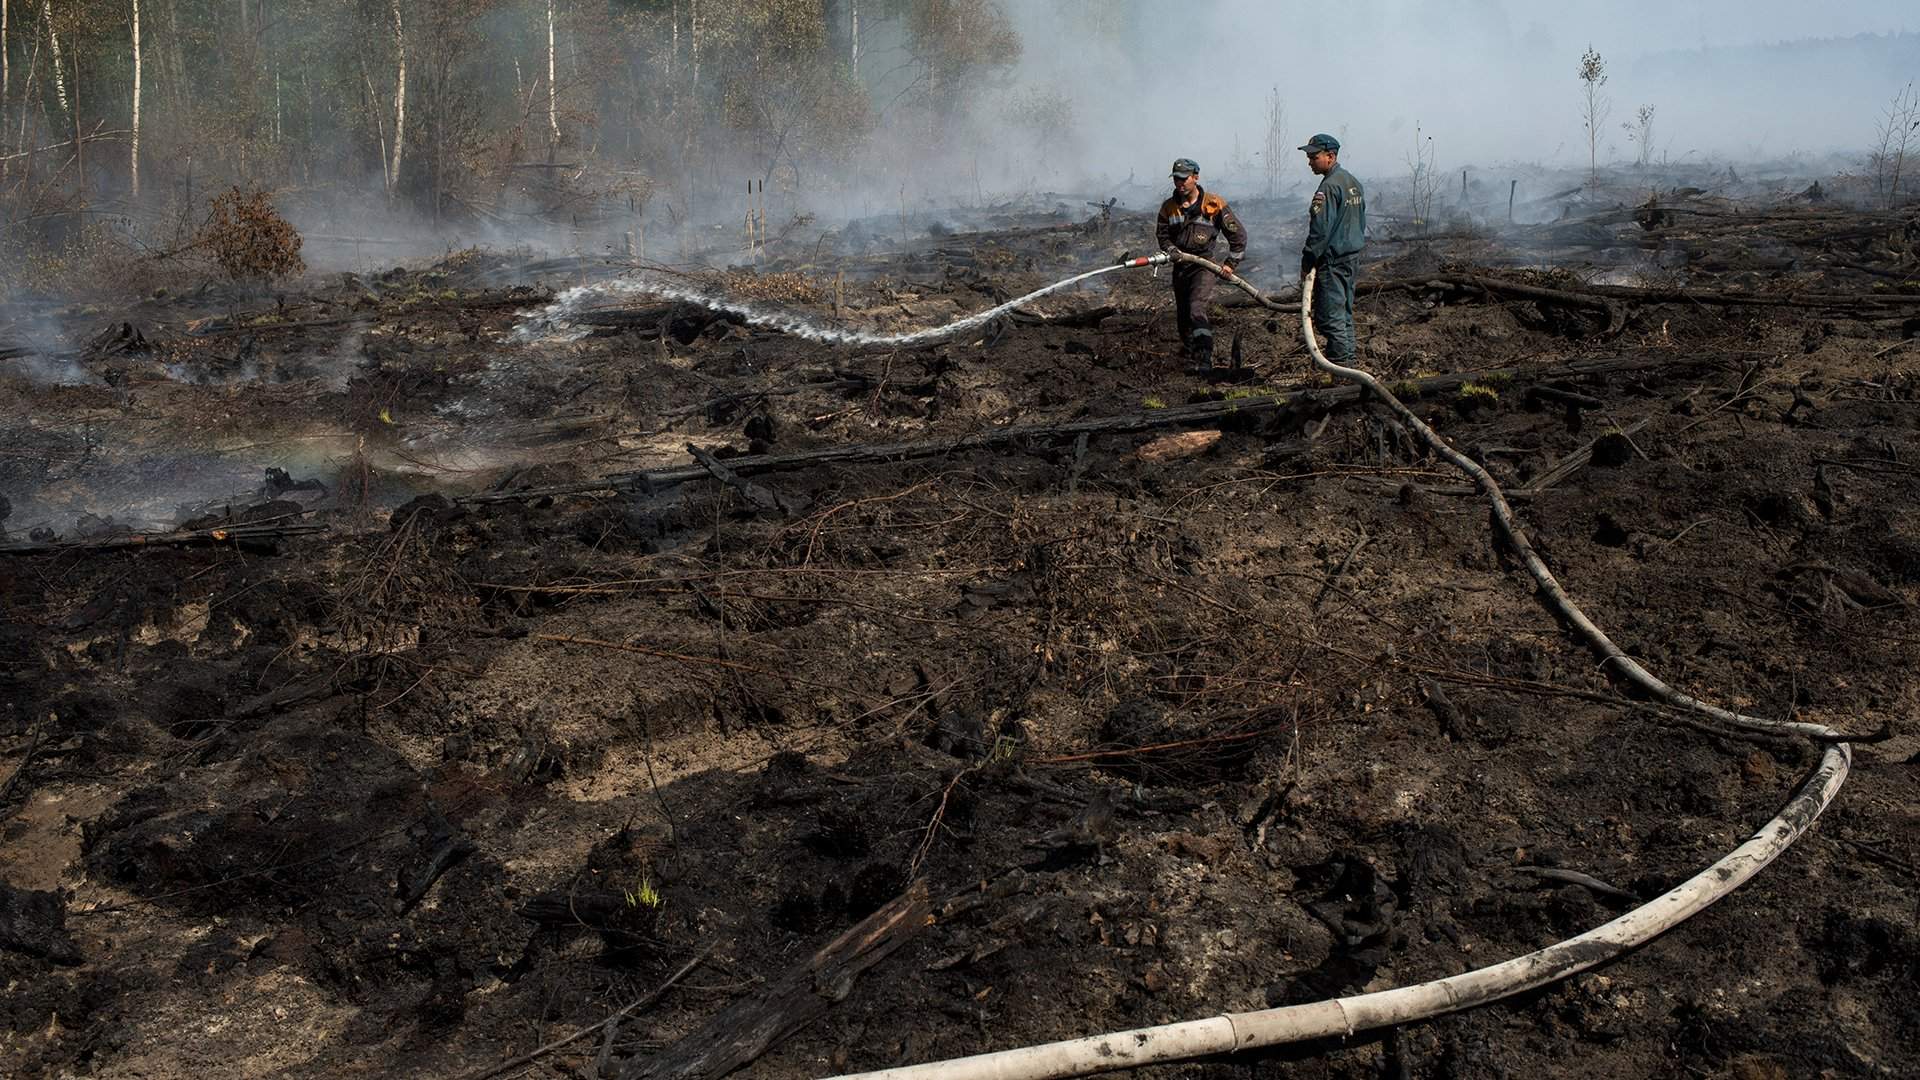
point(1156, 259)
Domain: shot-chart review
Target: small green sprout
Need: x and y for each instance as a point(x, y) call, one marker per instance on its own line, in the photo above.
point(645, 896)
point(1005, 748)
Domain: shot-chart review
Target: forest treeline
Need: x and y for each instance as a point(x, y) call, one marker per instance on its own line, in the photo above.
point(480, 110)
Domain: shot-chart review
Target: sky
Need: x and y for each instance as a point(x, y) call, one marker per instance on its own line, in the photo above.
point(1489, 81)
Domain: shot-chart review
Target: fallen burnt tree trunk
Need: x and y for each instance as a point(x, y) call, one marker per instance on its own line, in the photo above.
point(1091, 318)
point(238, 534)
point(1608, 295)
point(1616, 314)
point(745, 1030)
point(1604, 297)
point(1198, 414)
point(242, 325)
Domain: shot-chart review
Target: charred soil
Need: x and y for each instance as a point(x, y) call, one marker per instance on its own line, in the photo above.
point(1160, 728)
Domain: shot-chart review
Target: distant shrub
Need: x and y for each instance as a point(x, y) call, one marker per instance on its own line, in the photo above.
point(97, 260)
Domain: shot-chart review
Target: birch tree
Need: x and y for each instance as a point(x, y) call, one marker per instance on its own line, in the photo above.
point(133, 154)
point(553, 94)
point(399, 98)
point(59, 67)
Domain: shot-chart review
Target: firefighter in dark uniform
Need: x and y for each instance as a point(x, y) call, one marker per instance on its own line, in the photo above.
point(1190, 221)
point(1336, 231)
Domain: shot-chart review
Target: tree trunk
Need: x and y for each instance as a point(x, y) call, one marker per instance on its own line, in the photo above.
point(399, 100)
point(175, 57)
point(694, 38)
point(439, 114)
point(854, 53)
point(59, 72)
point(553, 93)
point(6, 79)
point(79, 144)
point(306, 155)
point(26, 95)
point(133, 154)
point(379, 125)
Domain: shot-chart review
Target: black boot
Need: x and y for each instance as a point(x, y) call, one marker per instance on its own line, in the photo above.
point(1200, 355)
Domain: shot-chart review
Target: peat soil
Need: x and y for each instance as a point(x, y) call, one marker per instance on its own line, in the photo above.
point(1163, 728)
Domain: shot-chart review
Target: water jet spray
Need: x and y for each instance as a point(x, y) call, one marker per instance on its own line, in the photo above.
point(555, 321)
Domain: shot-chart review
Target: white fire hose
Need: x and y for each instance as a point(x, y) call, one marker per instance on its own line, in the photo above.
point(1341, 1017)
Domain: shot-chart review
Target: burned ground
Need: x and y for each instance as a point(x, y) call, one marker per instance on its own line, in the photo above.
point(1163, 729)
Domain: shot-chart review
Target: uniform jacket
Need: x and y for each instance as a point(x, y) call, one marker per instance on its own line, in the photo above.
point(1193, 229)
point(1337, 221)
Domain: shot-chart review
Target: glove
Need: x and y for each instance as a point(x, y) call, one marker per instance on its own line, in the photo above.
point(1306, 265)
point(1227, 267)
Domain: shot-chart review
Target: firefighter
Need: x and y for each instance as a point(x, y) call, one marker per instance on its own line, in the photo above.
point(1336, 231)
point(1190, 220)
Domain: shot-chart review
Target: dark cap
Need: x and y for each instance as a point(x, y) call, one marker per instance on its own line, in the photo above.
point(1185, 167)
point(1322, 142)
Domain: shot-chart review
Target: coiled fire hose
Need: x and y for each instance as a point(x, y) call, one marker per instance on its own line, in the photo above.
point(1342, 1017)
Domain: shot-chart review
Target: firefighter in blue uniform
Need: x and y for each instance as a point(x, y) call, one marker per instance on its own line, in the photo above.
point(1191, 220)
point(1336, 231)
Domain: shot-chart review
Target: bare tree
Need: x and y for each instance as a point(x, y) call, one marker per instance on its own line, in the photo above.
point(1423, 180)
point(1640, 134)
point(173, 61)
point(26, 93)
point(1276, 151)
point(1898, 138)
point(379, 115)
point(553, 94)
point(399, 98)
point(133, 154)
point(1594, 106)
point(59, 71)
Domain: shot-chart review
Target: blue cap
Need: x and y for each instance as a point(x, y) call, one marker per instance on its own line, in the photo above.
point(1322, 142)
point(1185, 167)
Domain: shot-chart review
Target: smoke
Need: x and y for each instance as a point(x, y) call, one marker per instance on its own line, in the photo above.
point(35, 349)
point(1491, 81)
point(52, 369)
point(1012, 102)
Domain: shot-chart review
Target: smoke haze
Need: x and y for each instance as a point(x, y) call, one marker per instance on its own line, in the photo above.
point(1488, 81)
